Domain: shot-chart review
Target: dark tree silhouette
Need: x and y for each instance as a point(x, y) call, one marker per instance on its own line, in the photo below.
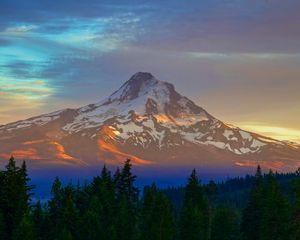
point(194, 218)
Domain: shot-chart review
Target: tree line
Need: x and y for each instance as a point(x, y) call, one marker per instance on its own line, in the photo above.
point(111, 207)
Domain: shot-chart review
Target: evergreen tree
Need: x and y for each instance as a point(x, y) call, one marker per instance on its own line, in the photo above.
point(225, 224)
point(2, 227)
point(16, 196)
point(252, 215)
point(147, 211)
point(106, 195)
point(55, 207)
point(166, 220)
point(38, 219)
point(103, 189)
point(117, 177)
point(295, 220)
point(157, 220)
point(10, 197)
point(26, 189)
point(56, 200)
point(125, 221)
point(125, 184)
point(276, 212)
point(65, 234)
point(25, 230)
point(211, 189)
point(82, 196)
point(194, 219)
point(70, 215)
point(127, 203)
point(94, 222)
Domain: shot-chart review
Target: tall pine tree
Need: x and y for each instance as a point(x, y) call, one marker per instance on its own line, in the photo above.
point(15, 196)
point(276, 212)
point(39, 221)
point(125, 222)
point(157, 220)
point(125, 183)
point(225, 224)
point(295, 218)
point(194, 218)
point(2, 227)
point(25, 230)
point(94, 221)
point(55, 208)
point(70, 215)
point(252, 225)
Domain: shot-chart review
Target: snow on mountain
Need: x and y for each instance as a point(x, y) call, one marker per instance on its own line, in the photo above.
point(148, 121)
point(39, 121)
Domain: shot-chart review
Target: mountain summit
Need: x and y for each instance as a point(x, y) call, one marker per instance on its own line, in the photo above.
point(148, 121)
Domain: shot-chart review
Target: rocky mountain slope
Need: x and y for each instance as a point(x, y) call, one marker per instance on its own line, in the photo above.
point(145, 120)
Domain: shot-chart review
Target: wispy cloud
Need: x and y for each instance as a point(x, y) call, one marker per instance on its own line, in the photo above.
point(30, 89)
point(20, 29)
point(244, 56)
point(276, 132)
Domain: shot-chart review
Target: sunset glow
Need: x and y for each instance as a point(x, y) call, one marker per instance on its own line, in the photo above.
point(279, 133)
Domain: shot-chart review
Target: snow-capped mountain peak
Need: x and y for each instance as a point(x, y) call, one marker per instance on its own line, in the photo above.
point(138, 84)
point(142, 96)
point(148, 121)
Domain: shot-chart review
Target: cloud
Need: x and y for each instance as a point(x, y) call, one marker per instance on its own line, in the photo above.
point(28, 89)
point(20, 29)
point(244, 56)
point(276, 132)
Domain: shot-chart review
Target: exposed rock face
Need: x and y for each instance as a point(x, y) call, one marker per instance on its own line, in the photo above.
point(145, 120)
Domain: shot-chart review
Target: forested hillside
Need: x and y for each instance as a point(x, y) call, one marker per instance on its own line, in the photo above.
point(111, 207)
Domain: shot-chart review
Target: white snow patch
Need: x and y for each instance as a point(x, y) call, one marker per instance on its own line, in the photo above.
point(220, 145)
point(228, 134)
point(257, 144)
point(246, 135)
point(38, 121)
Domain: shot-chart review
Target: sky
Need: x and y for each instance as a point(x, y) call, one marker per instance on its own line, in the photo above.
point(238, 59)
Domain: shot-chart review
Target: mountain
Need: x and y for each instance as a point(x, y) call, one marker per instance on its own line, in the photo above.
point(148, 121)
